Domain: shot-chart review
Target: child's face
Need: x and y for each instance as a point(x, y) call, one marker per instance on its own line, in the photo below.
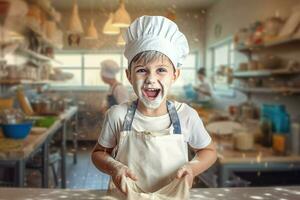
point(151, 82)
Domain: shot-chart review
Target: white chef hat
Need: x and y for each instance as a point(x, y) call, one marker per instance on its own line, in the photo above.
point(109, 68)
point(156, 33)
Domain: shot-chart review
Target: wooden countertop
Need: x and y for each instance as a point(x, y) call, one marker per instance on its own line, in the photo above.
point(260, 154)
point(20, 149)
point(266, 193)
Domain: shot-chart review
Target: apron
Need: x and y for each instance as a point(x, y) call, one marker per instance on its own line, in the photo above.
point(154, 157)
point(111, 100)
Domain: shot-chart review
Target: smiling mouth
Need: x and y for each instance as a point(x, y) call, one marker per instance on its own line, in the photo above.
point(151, 93)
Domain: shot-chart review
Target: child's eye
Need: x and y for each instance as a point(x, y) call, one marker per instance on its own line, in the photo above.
point(161, 69)
point(140, 71)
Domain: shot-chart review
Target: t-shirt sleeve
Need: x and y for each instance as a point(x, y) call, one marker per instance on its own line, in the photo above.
point(107, 136)
point(198, 137)
point(121, 94)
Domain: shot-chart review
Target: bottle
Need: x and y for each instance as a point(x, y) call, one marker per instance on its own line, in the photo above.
point(295, 139)
point(279, 144)
point(266, 130)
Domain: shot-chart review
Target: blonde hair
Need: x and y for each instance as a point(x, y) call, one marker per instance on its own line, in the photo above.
point(146, 57)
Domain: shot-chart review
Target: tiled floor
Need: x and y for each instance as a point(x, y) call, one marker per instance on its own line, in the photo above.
point(84, 174)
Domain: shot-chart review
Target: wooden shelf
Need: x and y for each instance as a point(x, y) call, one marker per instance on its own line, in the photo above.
point(33, 54)
point(264, 73)
point(274, 43)
point(268, 90)
point(41, 36)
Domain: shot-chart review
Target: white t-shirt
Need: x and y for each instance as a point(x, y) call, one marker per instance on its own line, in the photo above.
point(120, 93)
point(191, 125)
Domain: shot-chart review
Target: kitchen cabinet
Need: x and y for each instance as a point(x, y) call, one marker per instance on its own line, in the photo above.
point(35, 50)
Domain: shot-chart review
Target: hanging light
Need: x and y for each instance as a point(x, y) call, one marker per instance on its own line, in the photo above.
point(108, 28)
point(75, 25)
point(121, 17)
point(121, 41)
point(91, 31)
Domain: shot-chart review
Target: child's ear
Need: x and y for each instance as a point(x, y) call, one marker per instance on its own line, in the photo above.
point(128, 75)
point(176, 75)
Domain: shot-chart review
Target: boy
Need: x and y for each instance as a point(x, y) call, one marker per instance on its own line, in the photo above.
point(149, 137)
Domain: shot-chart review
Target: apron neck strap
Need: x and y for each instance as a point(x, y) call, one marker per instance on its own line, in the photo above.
point(129, 116)
point(174, 117)
point(171, 110)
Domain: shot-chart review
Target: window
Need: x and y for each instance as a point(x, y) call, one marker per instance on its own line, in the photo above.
point(85, 68)
point(223, 58)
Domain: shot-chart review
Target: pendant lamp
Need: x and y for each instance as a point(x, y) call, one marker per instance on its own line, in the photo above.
point(91, 31)
point(121, 17)
point(120, 40)
point(75, 25)
point(108, 28)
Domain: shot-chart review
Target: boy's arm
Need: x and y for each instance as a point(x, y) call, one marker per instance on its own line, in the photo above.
point(101, 157)
point(103, 160)
point(203, 159)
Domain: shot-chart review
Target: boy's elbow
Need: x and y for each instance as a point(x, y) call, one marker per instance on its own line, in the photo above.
point(215, 154)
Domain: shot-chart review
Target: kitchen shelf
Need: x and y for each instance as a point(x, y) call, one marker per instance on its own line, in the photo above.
point(274, 43)
point(264, 73)
point(18, 81)
point(35, 55)
point(41, 36)
point(268, 90)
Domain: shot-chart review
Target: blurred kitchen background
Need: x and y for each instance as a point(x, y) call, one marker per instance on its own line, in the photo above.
point(50, 58)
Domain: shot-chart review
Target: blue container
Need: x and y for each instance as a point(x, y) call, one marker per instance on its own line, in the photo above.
point(278, 116)
point(17, 131)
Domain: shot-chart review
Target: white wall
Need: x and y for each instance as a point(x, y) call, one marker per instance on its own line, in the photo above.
point(235, 14)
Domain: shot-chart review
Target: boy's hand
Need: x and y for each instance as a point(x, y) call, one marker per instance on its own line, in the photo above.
point(186, 170)
point(119, 176)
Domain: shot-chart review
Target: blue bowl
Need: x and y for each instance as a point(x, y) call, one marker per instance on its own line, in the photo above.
point(17, 131)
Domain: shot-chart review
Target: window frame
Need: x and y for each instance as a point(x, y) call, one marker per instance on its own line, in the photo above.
point(229, 91)
point(82, 85)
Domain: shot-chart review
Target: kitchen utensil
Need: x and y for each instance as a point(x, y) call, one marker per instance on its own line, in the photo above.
point(6, 103)
point(270, 62)
point(23, 100)
point(45, 121)
point(243, 141)
point(224, 127)
point(17, 131)
point(272, 27)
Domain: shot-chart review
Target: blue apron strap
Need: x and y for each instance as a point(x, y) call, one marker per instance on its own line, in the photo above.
point(172, 113)
point(174, 117)
point(129, 116)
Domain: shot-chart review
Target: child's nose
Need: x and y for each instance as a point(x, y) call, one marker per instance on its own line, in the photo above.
point(150, 79)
